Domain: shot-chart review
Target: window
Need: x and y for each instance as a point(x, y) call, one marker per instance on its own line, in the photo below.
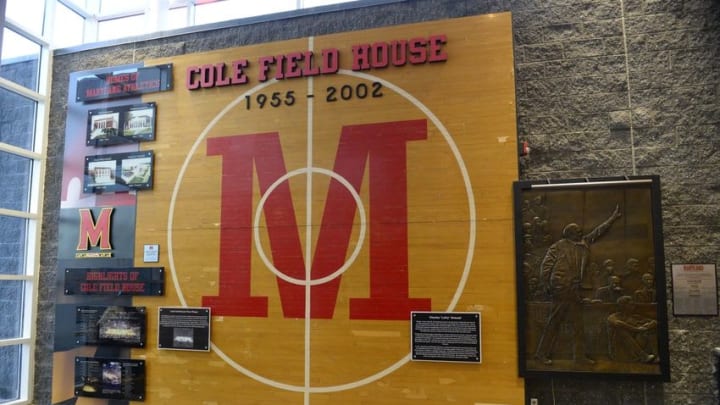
point(69, 27)
point(103, 20)
point(20, 59)
point(119, 27)
point(24, 56)
point(210, 12)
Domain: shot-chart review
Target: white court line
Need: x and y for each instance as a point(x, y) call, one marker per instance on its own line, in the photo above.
point(308, 228)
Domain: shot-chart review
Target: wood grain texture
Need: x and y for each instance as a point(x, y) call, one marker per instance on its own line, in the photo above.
point(468, 154)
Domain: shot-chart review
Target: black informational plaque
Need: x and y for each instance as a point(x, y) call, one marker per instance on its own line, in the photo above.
point(121, 281)
point(110, 378)
point(111, 325)
point(123, 124)
point(183, 328)
point(124, 83)
point(446, 336)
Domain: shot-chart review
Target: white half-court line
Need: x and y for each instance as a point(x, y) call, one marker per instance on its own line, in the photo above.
point(308, 229)
point(306, 389)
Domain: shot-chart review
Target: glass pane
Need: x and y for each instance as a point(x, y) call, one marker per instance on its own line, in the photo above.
point(10, 369)
point(177, 18)
point(27, 13)
point(13, 236)
point(68, 28)
point(17, 119)
point(15, 173)
point(232, 9)
point(121, 27)
point(20, 60)
point(11, 312)
point(108, 7)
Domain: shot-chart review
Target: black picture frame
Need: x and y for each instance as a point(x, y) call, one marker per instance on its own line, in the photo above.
point(130, 123)
point(590, 273)
point(119, 172)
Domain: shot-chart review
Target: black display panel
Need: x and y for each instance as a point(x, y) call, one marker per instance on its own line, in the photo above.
point(123, 124)
point(120, 281)
point(124, 83)
point(110, 378)
point(111, 325)
point(118, 172)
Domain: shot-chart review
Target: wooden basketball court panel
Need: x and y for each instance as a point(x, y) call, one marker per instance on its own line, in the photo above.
point(442, 199)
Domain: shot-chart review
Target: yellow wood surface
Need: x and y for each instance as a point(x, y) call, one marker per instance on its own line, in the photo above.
point(343, 360)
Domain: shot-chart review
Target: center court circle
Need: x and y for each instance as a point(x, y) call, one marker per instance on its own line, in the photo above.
point(461, 283)
point(358, 246)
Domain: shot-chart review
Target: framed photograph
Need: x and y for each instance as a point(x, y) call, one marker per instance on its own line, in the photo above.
point(590, 278)
point(123, 124)
point(118, 172)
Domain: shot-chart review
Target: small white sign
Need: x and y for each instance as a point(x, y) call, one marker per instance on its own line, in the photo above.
point(694, 289)
point(151, 254)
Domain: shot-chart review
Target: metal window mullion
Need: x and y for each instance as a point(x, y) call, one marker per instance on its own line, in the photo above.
point(90, 30)
point(29, 332)
point(191, 13)
point(25, 33)
point(5, 147)
point(75, 8)
point(18, 214)
point(15, 341)
point(180, 3)
point(90, 33)
point(27, 376)
point(93, 6)
point(16, 277)
point(117, 16)
point(21, 90)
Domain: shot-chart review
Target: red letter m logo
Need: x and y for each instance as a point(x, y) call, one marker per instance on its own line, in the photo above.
point(94, 233)
point(382, 148)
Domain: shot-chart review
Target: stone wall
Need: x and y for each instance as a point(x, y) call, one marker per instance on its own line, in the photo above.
point(604, 88)
point(609, 88)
